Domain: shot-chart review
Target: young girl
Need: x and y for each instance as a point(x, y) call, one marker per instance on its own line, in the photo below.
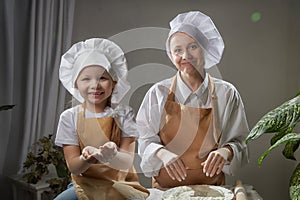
point(98, 136)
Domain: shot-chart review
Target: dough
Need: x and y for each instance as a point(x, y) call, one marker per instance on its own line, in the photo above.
point(198, 192)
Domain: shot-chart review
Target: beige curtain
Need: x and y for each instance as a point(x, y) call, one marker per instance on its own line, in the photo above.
point(34, 34)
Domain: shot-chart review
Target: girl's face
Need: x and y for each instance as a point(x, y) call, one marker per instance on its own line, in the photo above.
point(95, 86)
point(186, 53)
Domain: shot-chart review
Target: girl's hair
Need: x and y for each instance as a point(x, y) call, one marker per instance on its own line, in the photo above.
point(109, 101)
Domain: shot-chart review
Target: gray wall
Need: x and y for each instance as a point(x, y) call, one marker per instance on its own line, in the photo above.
point(260, 59)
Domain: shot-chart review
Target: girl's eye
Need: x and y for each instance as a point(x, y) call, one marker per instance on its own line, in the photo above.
point(85, 79)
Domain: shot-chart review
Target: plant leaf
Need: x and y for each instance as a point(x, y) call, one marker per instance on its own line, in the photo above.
point(37, 161)
point(6, 107)
point(277, 137)
point(281, 119)
point(291, 137)
point(290, 149)
point(295, 183)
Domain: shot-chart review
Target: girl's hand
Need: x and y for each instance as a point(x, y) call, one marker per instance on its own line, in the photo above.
point(89, 154)
point(104, 154)
point(108, 151)
point(216, 161)
point(173, 164)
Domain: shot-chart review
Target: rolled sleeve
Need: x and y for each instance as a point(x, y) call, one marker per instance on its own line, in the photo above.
point(148, 121)
point(127, 122)
point(240, 158)
point(150, 163)
point(235, 131)
point(66, 131)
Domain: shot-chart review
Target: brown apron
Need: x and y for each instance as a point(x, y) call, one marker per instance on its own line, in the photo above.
point(101, 182)
point(185, 133)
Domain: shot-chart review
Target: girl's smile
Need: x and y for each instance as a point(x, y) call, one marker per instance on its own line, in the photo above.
point(96, 94)
point(95, 86)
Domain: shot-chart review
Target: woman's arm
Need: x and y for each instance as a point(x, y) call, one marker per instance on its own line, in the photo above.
point(235, 131)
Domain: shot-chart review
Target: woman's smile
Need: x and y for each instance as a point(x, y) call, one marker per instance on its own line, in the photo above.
point(186, 64)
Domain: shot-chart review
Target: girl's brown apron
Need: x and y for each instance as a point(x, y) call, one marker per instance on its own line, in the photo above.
point(185, 133)
point(100, 181)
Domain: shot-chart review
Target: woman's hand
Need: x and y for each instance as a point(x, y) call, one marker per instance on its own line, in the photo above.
point(173, 164)
point(216, 161)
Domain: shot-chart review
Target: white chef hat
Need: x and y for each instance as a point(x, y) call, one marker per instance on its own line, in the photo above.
point(95, 51)
point(203, 30)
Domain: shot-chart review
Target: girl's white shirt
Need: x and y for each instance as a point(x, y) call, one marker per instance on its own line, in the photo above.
point(66, 129)
point(232, 117)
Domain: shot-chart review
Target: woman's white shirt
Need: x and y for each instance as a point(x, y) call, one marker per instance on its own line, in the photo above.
point(231, 114)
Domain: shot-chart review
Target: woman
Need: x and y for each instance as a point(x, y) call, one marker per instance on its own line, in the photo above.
point(192, 126)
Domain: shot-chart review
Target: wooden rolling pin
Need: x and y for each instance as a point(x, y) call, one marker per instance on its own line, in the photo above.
point(239, 191)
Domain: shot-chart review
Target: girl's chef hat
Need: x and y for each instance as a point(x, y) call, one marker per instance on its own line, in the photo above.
point(95, 51)
point(203, 30)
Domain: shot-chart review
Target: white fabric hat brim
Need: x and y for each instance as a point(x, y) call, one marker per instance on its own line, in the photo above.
point(95, 51)
point(203, 30)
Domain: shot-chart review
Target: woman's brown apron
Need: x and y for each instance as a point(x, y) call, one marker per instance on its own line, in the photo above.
point(100, 181)
point(185, 133)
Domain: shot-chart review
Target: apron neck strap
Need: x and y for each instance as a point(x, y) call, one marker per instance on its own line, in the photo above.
point(217, 125)
point(216, 120)
point(211, 85)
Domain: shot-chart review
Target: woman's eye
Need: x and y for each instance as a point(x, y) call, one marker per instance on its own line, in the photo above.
point(102, 78)
point(85, 79)
point(194, 46)
point(177, 51)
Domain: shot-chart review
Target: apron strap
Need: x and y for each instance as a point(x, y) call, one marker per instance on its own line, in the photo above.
point(216, 121)
point(171, 95)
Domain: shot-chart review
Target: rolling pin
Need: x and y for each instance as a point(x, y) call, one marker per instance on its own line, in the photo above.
point(239, 191)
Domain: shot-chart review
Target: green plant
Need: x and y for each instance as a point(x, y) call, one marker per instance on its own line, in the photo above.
point(281, 121)
point(45, 153)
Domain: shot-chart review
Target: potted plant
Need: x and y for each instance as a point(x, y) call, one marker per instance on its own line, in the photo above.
point(281, 122)
point(46, 153)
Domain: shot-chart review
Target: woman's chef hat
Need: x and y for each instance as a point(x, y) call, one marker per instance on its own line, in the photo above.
point(203, 30)
point(95, 51)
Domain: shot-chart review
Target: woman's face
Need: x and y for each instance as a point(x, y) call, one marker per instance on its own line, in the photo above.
point(95, 85)
point(186, 53)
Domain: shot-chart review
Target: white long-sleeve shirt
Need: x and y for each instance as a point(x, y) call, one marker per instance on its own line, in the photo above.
point(234, 126)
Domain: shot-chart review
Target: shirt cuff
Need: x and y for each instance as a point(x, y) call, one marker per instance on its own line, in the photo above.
point(231, 167)
point(150, 164)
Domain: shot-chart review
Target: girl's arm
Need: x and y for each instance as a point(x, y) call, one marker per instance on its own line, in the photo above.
point(78, 164)
point(75, 163)
point(124, 157)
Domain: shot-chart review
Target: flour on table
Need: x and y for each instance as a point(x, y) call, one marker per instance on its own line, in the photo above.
point(198, 192)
